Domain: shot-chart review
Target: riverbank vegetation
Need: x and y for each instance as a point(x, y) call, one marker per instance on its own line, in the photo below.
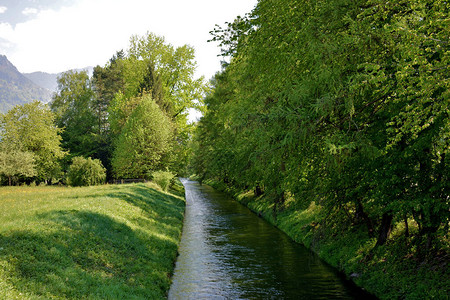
point(104, 242)
point(131, 115)
point(335, 115)
point(391, 271)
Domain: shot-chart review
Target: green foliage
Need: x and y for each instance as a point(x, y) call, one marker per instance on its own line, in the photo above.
point(110, 241)
point(354, 118)
point(144, 141)
point(390, 271)
point(173, 68)
point(94, 111)
point(107, 82)
point(30, 128)
point(163, 179)
point(339, 103)
point(73, 105)
point(167, 73)
point(14, 162)
point(86, 172)
point(119, 111)
point(150, 68)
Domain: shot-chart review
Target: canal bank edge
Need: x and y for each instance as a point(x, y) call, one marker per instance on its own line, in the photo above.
point(177, 188)
point(383, 271)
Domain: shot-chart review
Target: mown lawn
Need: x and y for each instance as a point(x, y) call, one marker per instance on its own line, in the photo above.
point(104, 242)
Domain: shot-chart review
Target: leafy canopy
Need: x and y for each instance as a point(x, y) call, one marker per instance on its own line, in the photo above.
point(31, 128)
point(86, 172)
point(144, 141)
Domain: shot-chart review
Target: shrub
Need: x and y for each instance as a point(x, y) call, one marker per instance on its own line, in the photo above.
point(84, 172)
point(163, 179)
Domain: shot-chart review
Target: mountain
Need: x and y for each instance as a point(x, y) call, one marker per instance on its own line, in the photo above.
point(15, 88)
point(49, 80)
point(45, 80)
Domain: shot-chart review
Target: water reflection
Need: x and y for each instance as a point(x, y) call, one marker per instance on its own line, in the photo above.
point(227, 252)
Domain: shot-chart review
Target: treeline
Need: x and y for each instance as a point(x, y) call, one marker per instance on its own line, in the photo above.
point(338, 102)
point(129, 119)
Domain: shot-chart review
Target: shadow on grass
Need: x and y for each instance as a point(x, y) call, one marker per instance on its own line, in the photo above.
point(161, 211)
point(150, 200)
point(80, 254)
point(162, 207)
point(177, 188)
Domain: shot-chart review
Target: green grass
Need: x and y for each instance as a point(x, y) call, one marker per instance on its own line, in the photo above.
point(103, 242)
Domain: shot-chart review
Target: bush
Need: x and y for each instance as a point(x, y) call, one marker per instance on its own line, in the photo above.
point(163, 179)
point(84, 172)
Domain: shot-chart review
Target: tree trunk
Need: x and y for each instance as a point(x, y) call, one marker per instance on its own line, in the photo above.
point(385, 228)
point(9, 178)
point(405, 218)
point(360, 213)
point(429, 232)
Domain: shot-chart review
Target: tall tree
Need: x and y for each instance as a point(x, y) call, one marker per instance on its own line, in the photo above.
point(144, 141)
point(154, 67)
point(107, 82)
point(340, 102)
point(73, 105)
point(174, 67)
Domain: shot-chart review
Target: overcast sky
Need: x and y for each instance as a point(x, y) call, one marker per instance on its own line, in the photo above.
point(58, 35)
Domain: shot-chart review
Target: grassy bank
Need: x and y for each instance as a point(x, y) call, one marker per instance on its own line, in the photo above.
point(104, 242)
point(390, 271)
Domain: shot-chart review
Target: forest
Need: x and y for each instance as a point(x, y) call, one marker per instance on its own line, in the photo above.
point(339, 104)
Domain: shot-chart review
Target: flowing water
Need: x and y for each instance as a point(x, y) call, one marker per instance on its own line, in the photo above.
point(227, 252)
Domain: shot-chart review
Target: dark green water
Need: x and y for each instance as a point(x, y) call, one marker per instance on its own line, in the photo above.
point(227, 252)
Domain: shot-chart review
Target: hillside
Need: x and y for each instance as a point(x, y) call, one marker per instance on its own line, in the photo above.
point(49, 80)
point(15, 88)
point(102, 242)
point(45, 80)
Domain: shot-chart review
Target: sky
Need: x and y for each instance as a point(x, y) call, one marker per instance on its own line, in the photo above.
point(57, 35)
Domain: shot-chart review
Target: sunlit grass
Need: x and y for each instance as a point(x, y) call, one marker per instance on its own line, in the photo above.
point(106, 242)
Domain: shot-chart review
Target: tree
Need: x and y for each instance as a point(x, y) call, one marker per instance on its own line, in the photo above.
point(14, 162)
point(107, 82)
point(30, 128)
point(144, 141)
point(154, 67)
point(73, 105)
point(344, 103)
point(171, 67)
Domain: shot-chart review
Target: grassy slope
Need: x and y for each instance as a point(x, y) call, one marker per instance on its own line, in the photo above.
point(104, 242)
point(389, 272)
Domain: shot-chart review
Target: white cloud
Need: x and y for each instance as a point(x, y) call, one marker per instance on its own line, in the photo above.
point(6, 32)
point(3, 9)
point(90, 32)
point(30, 11)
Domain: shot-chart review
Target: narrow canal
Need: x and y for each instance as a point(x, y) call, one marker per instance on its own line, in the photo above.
point(227, 252)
